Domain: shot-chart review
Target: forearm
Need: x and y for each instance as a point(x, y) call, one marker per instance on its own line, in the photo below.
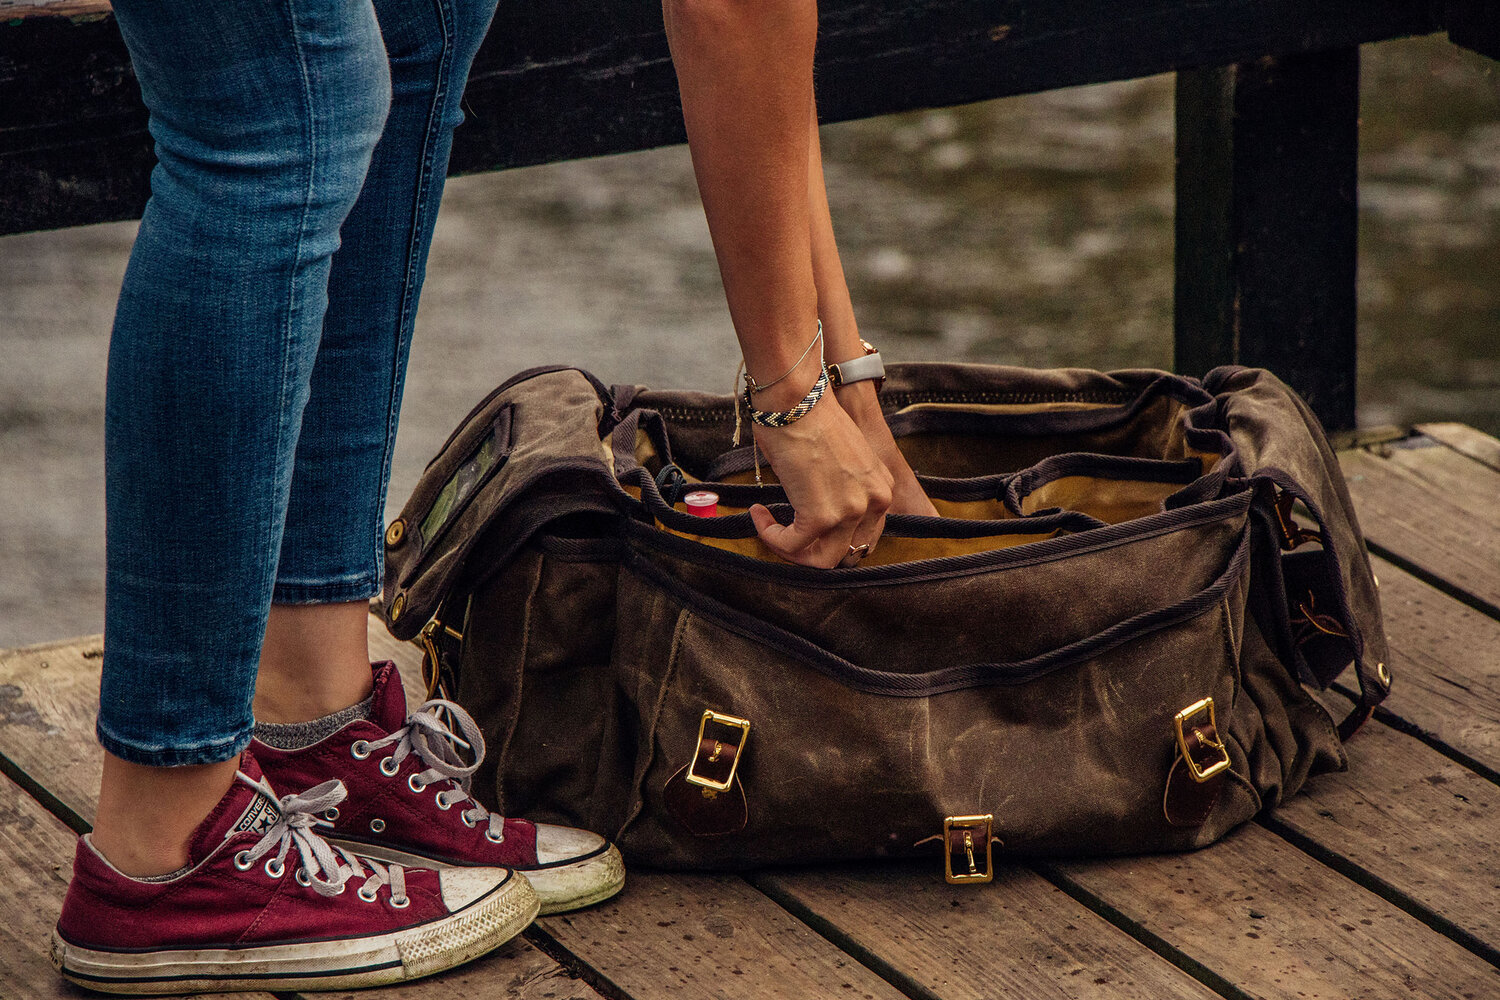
point(745, 71)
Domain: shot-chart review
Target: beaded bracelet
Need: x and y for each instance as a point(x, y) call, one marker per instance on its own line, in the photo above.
point(781, 418)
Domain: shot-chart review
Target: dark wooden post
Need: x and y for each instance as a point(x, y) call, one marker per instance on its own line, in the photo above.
point(1266, 226)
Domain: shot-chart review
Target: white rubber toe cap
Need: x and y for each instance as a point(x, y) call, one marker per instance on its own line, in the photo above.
point(564, 843)
point(462, 886)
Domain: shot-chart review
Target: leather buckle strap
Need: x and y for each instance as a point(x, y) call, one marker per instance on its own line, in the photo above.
point(1198, 741)
point(718, 755)
point(969, 853)
point(1292, 533)
point(703, 796)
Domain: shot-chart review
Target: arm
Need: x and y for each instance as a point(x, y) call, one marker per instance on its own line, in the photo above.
point(745, 71)
point(842, 334)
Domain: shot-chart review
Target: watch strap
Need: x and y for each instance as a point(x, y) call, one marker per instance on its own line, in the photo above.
point(858, 369)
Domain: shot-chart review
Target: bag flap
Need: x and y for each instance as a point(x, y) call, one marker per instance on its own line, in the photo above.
point(545, 423)
point(1278, 439)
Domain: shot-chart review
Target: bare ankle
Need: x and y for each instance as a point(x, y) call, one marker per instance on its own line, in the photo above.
point(147, 815)
point(315, 661)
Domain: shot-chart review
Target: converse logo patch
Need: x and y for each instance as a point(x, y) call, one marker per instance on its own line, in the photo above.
point(257, 817)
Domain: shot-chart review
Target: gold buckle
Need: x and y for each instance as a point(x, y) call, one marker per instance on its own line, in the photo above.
point(1199, 772)
point(730, 722)
point(981, 827)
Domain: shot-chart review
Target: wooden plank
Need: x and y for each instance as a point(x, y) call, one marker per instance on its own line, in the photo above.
point(1278, 924)
point(1017, 937)
point(712, 937)
point(49, 697)
point(1402, 514)
point(1411, 823)
point(1465, 439)
point(16, 9)
point(559, 80)
point(38, 853)
point(516, 970)
point(1447, 674)
point(1469, 485)
point(1266, 221)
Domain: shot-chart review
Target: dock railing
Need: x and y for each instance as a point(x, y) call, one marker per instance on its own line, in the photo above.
point(1267, 125)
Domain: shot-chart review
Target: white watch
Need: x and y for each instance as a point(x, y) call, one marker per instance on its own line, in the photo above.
point(868, 366)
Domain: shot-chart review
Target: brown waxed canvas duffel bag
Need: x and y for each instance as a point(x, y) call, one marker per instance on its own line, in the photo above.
point(1105, 643)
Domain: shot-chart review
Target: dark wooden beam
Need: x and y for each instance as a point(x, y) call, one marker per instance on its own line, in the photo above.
point(1474, 24)
point(1266, 223)
point(558, 79)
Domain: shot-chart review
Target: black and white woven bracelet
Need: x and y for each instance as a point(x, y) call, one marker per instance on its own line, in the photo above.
point(782, 418)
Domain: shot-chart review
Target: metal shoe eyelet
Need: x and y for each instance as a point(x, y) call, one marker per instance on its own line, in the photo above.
point(490, 836)
point(331, 813)
point(443, 803)
point(389, 767)
point(359, 749)
point(377, 825)
point(368, 897)
point(467, 821)
point(242, 861)
point(303, 879)
point(414, 784)
point(400, 904)
point(275, 868)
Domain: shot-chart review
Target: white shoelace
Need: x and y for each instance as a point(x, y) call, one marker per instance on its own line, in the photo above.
point(436, 745)
point(324, 867)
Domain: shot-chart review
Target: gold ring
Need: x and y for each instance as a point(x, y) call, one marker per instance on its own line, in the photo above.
point(859, 551)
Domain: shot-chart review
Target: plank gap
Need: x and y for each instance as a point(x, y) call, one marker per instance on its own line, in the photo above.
point(1453, 590)
point(1380, 887)
point(575, 966)
point(1152, 941)
point(1406, 727)
point(842, 941)
point(43, 797)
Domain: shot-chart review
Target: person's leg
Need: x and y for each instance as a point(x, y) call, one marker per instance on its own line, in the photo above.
point(265, 116)
point(315, 660)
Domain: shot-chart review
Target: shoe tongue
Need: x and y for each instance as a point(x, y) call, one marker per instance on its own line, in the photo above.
point(388, 711)
point(242, 809)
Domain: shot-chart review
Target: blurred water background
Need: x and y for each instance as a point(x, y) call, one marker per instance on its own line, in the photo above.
point(1033, 230)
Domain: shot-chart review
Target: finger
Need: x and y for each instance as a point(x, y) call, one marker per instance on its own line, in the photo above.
point(803, 541)
point(864, 543)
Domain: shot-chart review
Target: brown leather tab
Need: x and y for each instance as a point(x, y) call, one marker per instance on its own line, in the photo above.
point(704, 812)
point(1186, 801)
point(715, 760)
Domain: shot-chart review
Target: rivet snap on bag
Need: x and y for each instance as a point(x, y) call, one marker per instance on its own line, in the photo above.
point(1104, 644)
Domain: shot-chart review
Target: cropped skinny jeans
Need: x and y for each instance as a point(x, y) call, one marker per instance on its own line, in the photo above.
point(260, 342)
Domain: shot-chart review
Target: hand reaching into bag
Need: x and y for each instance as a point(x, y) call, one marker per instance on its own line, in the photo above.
point(907, 496)
point(837, 485)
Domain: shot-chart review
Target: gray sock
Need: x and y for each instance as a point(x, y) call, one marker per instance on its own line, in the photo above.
point(297, 735)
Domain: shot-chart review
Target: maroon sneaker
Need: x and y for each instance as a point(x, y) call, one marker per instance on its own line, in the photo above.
point(409, 801)
point(265, 906)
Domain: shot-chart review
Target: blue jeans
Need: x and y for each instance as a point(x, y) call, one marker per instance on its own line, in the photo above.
point(260, 342)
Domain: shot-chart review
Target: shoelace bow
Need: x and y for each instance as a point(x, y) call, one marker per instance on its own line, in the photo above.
point(326, 867)
point(436, 745)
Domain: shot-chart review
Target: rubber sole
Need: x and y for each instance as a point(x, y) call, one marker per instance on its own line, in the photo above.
point(349, 963)
point(562, 888)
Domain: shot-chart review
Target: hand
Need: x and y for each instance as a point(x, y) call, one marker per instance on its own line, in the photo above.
point(838, 488)
point(907, 496)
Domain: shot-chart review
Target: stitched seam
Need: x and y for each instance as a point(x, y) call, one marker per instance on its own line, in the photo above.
point(420, 208)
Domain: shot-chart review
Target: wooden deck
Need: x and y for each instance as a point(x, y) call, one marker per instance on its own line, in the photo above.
point(1380, 882)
